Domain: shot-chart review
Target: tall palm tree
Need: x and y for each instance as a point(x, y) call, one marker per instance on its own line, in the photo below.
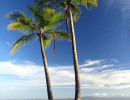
point(71, 7)
point(40, 28)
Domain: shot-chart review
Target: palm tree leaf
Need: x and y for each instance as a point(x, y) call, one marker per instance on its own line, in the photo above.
point(22, 41)
point(46, 42)
point(59, 34)
point(21, 27)
point(43, 3)
point(76, 10)
point(15, 15)
point(60, 5)
point(94, 2)
point(34, 11)
point(21, 22)
point(48, 13)
point(87, 3)
point(42, 16)
point(37, 16)
point(55, 21)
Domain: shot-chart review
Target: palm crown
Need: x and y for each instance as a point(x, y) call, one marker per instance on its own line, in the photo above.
point(74, 6)
point(43, 24)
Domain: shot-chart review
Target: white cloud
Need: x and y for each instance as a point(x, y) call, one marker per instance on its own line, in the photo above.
point(115, 60)
point(126, 6)
point(93, 77)
point(97, 68)
point(125, 9)
point(100, 94)
point(105, 66)
point(122, 5)
point(124, 95)
point(91, 62)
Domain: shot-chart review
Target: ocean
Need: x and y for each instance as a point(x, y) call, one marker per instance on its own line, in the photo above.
point(83, 98)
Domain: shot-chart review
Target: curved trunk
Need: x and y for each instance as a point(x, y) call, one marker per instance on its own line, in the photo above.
point(49, 91)
point(75, 59)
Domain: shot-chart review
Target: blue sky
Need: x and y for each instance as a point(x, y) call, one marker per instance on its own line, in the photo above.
point(103, 47)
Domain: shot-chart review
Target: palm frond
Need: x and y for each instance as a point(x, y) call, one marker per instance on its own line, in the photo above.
point(15, 15)
point(55, 21)
point(21, 22)
point(60, 5)
point(42, 16)
point(61, 35)
point(21, 27)
point(94, 2)
point(46, 42)
point(34, 11)
point(22, 41)
point(87, 3)
point(48, 13)
point(39, 4)
point(76, 10)
point(37, 16)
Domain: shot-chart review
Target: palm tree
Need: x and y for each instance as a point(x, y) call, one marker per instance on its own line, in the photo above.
point(40, 28)
point(71, 7)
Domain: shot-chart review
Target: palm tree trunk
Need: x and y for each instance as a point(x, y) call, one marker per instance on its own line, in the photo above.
point(49, 91)
point(75, 59)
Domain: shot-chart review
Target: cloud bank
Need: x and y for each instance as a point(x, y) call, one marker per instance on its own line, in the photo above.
point(94, 74)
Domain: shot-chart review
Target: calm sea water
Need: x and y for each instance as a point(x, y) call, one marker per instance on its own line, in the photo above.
point(84, 98)
point(106, 98)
